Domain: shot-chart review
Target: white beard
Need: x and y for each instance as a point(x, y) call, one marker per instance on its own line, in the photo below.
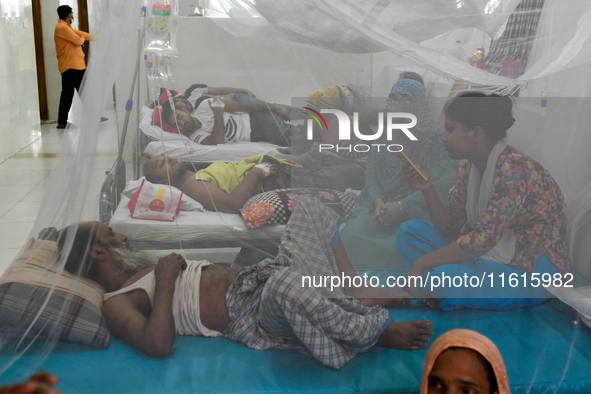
point(127, 260)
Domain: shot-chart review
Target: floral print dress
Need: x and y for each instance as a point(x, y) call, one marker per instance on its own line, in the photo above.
point(526, 199)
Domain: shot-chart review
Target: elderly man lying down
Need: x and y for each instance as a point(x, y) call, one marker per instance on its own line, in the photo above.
point(225, 187)
point(265, 306)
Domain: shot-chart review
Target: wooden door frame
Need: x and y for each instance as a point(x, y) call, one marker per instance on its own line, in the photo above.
point(40, 60)
point(83, 24)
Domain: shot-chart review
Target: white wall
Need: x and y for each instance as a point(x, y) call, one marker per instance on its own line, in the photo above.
point(267, 67)
point(19, 99)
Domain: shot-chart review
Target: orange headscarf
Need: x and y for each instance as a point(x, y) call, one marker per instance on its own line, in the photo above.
point(471, 340)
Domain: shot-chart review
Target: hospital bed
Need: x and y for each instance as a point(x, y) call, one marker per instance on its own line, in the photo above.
point(194, 229)
point(535, 342)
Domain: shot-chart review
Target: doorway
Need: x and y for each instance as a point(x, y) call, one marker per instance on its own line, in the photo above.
point(49, 88)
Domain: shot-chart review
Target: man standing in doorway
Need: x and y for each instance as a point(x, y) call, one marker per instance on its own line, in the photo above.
point(70, 60)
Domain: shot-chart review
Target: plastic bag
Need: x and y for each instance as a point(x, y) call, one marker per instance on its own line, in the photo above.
point(152, 202)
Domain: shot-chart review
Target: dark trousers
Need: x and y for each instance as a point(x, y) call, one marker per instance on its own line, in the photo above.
point(71, 80)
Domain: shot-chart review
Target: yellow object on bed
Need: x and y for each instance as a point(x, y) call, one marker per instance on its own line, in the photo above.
point(227, 176)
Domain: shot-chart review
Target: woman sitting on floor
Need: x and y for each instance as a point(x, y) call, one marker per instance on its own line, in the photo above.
point(464, 361)
point(387, 200)
point(505, 216)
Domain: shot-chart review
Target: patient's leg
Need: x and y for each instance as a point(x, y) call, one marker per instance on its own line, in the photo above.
point(332, 330)
point(367, 295)
point(269, 127)
point(311, 234)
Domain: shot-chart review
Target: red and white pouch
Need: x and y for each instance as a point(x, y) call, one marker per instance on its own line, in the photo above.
point(152, 202)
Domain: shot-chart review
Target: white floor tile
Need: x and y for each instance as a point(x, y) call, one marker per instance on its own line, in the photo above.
point(40, 164)
point(49, 142)
point(14, 234)
point(5, 207)
point(6, 257)
point(10, 193)
point(24, 211)
point(37, 193)
point(20, 177)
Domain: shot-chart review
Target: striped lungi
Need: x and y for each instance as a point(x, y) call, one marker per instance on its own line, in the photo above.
point(271, 308)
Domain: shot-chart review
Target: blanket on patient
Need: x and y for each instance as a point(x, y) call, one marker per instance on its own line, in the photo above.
point(270, 307)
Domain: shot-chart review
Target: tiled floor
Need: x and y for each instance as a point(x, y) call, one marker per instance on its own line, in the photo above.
point(23, 180)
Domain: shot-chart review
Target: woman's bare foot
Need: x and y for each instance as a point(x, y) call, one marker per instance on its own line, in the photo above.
point(409, 335)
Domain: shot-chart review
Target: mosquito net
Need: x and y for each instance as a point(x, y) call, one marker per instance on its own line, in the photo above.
point(342, 88)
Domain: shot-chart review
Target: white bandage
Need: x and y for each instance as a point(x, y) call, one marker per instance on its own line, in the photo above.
point(265, 167)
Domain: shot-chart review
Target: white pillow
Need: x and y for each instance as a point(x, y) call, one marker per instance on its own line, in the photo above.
point(194, 152)
point(188, 204)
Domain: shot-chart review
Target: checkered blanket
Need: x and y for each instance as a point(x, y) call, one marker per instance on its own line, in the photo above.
point(270, 308)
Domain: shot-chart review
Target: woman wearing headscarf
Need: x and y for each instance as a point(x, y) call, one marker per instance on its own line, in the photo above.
point(322, 163)
point(504, 227)
point(387, 200)
point(462, 361)
point(338, 97)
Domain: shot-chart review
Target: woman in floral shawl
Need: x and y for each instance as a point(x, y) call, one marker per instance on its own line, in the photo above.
point(503, 231)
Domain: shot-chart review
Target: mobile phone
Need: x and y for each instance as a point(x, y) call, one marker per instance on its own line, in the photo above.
point(404, 157)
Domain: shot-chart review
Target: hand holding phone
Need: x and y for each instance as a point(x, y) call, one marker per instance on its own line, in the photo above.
point(406, 159)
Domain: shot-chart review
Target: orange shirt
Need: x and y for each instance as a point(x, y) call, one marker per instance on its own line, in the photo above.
point(68, 45)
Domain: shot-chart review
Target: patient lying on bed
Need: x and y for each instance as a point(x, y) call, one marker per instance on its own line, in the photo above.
point(265, 306)
point(225, 187)
point(216, 122)
point(198, 91)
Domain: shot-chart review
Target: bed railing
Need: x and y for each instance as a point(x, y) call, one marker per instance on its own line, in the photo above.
point(111, 192)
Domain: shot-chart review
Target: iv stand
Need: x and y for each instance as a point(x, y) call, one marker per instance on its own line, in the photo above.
point(128, 108)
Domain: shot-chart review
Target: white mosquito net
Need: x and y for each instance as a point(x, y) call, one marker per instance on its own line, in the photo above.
point(537, 51)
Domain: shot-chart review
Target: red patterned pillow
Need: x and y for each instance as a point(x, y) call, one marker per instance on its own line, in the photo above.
point(276, 206)
point(157, 121)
